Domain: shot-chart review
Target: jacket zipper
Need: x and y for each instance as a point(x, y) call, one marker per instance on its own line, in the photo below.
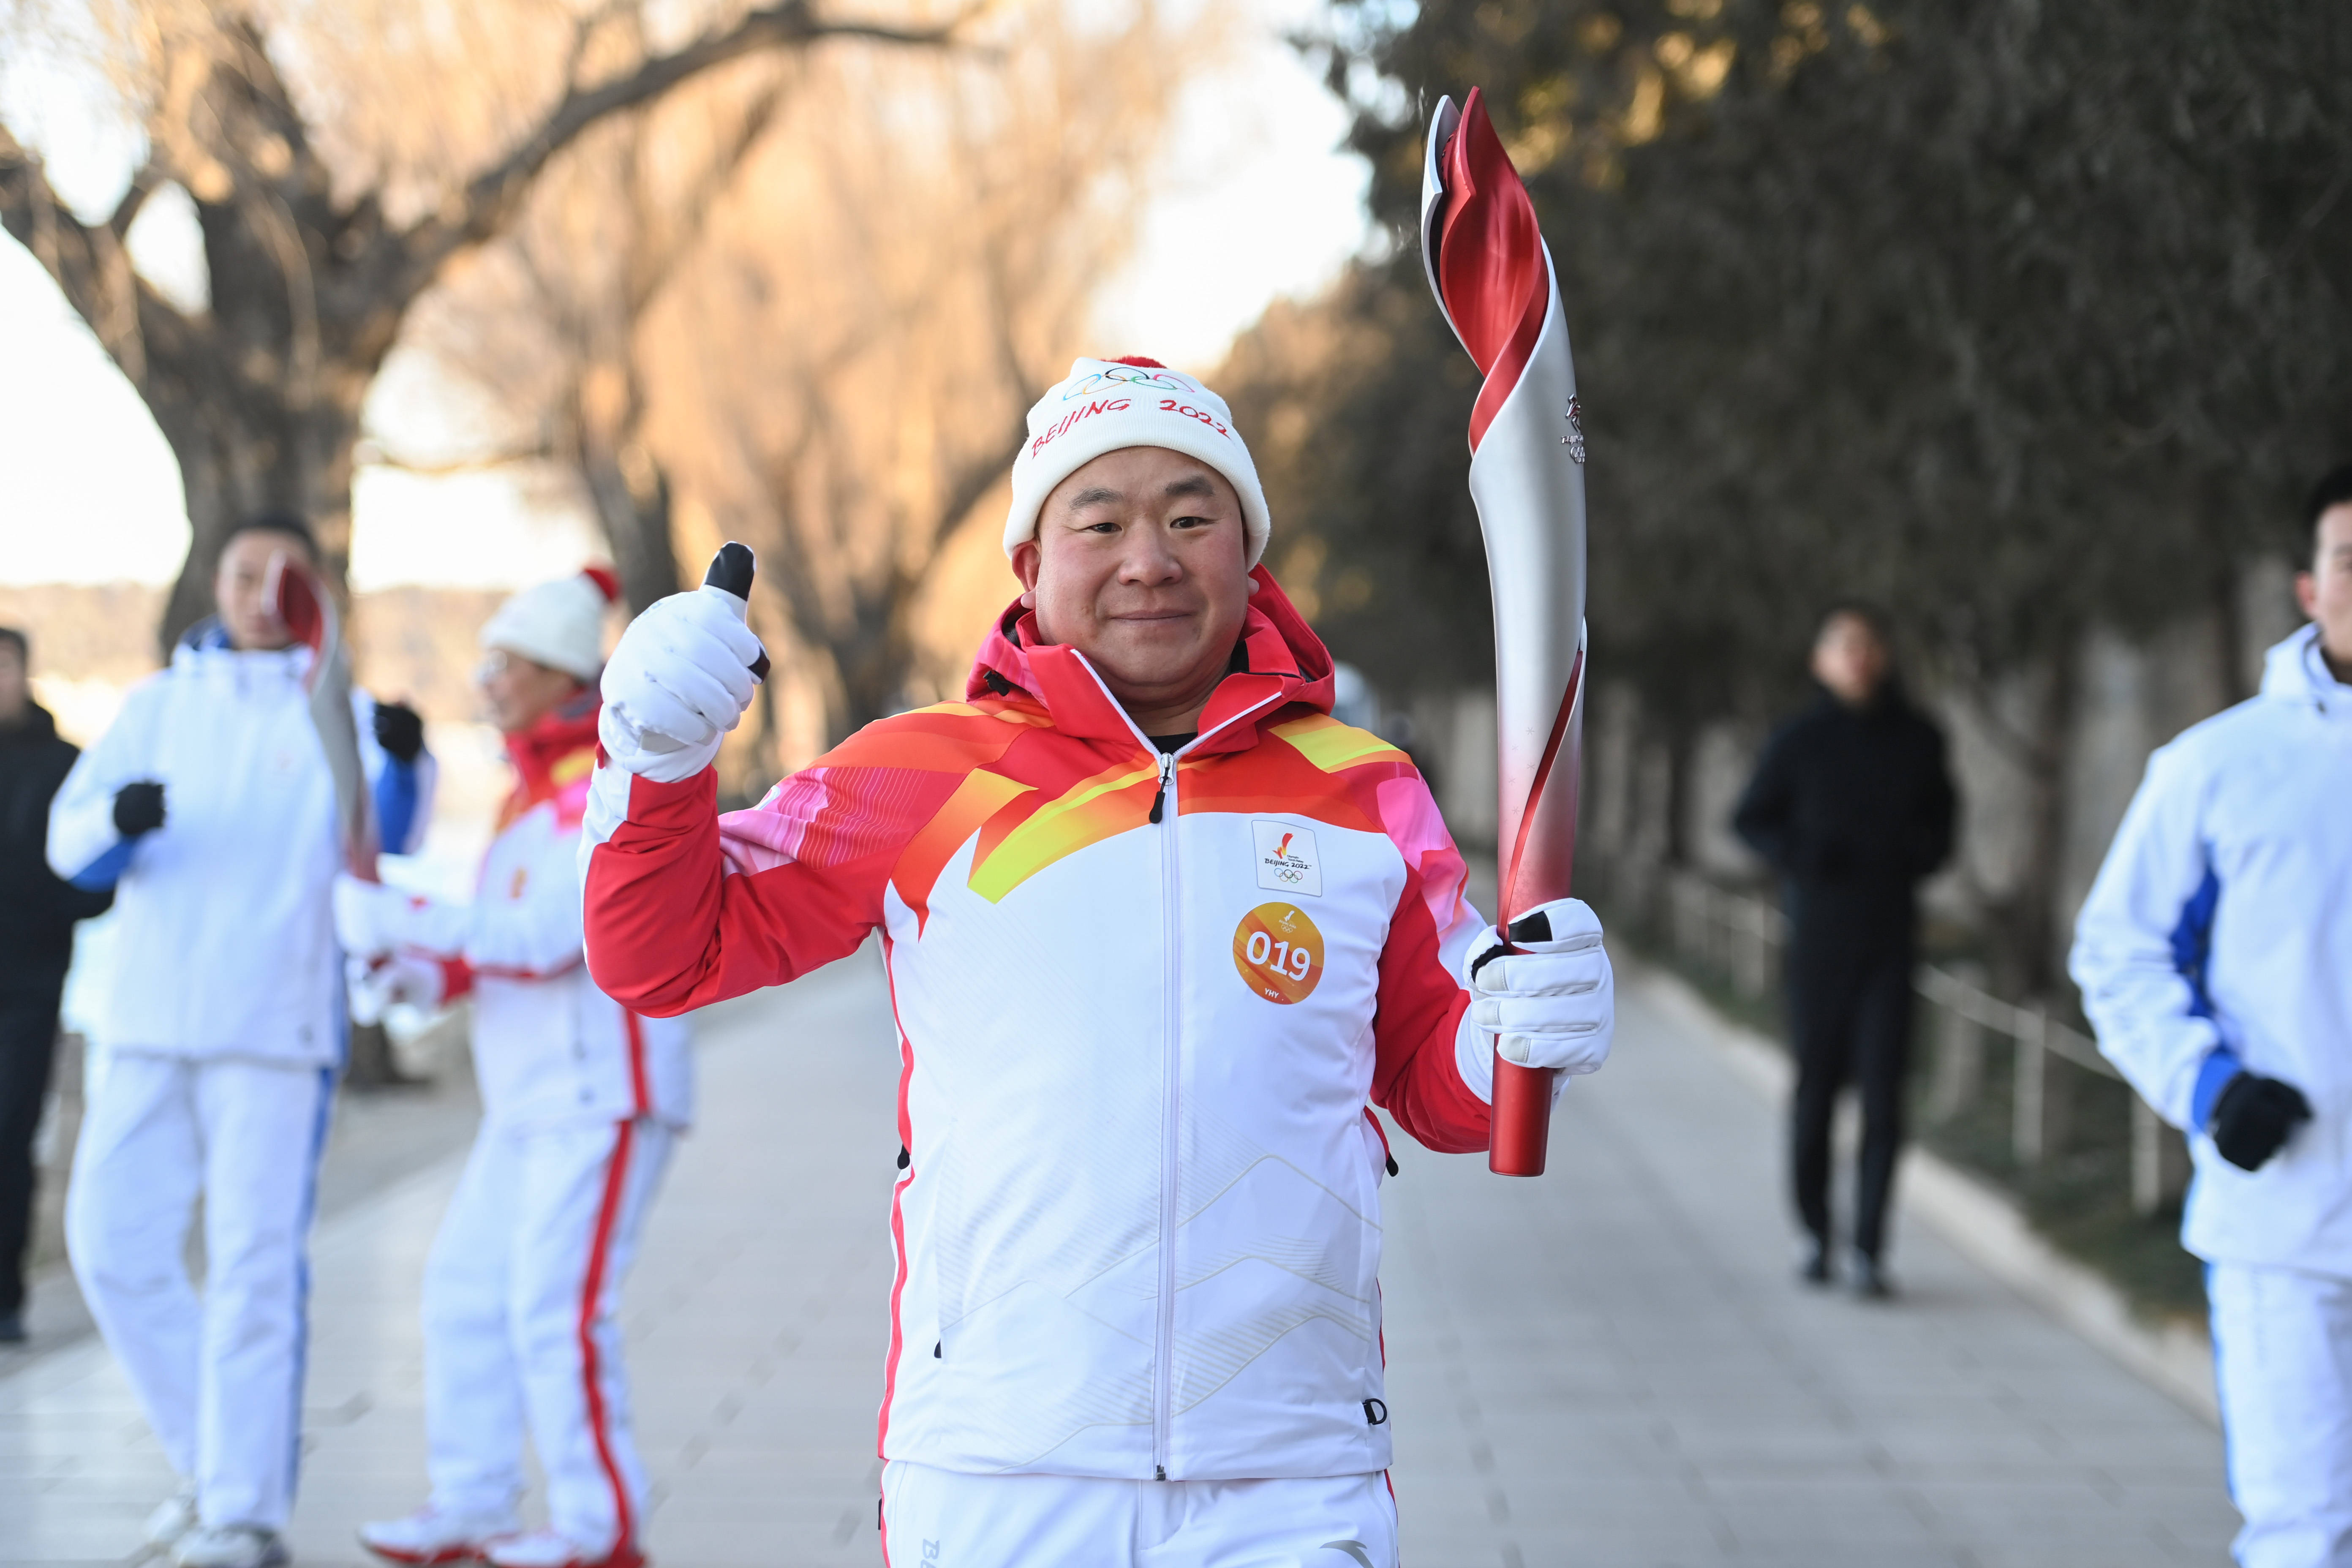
point(1163, 1384)
point(1164, 1393)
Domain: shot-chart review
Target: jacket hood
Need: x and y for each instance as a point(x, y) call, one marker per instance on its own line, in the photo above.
point(555, 753)
point(1279, 661)
point(37, 727)
point(2292, 672)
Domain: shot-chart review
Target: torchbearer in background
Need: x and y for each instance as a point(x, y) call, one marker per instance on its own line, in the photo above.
point(212, 807)
point(1157, 928)
point(582, 1100)
point(2215, 958)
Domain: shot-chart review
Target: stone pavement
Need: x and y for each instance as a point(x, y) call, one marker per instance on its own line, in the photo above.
point(1611, 1365)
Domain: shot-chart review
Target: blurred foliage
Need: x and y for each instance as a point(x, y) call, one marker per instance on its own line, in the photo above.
point(2013, 317)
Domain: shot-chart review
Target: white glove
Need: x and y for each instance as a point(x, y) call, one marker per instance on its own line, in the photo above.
point(373, 918)
point(1552, 1003)
point(679, 680)
point(377, 984)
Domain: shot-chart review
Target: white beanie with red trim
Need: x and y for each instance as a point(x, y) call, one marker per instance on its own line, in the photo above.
point(560, 625)
point(1108, 403)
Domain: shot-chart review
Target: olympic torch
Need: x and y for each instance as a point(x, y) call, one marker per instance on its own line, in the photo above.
point(306, 610)
point(1493, 277)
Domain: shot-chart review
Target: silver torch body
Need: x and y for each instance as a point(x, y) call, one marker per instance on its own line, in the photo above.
point(1492, 274)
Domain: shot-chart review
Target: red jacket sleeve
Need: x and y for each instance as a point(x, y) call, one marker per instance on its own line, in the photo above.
point(1416, 1076)
point(686, 908)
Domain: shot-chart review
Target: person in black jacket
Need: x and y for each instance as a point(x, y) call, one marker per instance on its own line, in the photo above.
point(1851, 804)
point(37, 919)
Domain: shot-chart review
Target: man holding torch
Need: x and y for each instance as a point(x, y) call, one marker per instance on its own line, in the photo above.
point(215, 808)
point(1157, 928)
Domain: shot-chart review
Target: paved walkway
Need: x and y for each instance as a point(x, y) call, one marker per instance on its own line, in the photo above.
point(1607, 1366)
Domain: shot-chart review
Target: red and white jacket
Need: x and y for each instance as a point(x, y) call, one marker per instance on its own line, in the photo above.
point(1142, 1002)
point(550, 1049)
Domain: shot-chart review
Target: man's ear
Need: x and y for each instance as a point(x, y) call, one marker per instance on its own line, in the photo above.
point(1028, 560)
point(2306, 594)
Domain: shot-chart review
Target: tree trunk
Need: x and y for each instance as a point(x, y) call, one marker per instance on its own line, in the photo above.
point(631, 494)
point(236, 460)
point(873, 656)
point(369, 1063)
point(626, 483)
point(2023, 942)
point(2229, 618)
point(1681, 761)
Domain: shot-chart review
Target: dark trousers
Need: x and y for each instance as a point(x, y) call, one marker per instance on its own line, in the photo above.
point(28, 1047)
point(1850, 1019)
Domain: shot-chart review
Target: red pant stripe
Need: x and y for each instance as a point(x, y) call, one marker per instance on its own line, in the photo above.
point(608, 1219)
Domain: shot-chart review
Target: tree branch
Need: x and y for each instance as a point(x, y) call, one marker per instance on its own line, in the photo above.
point(87, 263)
point(32, 214)
point(974, 480)
point(492, 199)
point(134, 201)
point(650, 272)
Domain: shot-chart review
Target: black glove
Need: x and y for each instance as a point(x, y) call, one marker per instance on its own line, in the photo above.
point(399, 730)
point(2253, 1116)
point(138, 808)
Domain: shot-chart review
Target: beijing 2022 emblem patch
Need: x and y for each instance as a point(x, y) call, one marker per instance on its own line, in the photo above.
point(1287, 861)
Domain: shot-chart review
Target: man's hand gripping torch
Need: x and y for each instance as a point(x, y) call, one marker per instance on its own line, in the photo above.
point(1492, 274)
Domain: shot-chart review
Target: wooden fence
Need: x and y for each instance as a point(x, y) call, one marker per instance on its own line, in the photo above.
point(1739, 938)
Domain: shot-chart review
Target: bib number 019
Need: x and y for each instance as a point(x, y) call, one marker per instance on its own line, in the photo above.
point(1265, 951)
point(1278, 952)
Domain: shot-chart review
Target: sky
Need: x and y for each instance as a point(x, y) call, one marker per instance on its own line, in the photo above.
point(89, 492)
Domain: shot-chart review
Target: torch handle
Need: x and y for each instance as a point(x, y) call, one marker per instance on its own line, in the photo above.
point(1519, 1128)
point(1522, 1120)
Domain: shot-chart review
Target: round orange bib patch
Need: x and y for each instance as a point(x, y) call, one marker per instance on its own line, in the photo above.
point(1279, 953)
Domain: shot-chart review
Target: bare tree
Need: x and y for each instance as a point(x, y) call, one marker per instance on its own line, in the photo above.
point(851, 371)
point(549, 326)
point(331, 198)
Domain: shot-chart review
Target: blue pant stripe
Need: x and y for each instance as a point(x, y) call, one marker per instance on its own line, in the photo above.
point(319, 1124)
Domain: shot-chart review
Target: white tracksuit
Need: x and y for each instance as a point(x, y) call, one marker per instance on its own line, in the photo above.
point(2218, 936)
point(582, 1101)
point(220, 1041)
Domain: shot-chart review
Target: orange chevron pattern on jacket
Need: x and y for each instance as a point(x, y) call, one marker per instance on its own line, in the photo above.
point(1036, 805)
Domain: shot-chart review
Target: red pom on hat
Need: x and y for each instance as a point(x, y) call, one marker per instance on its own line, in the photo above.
point(1137, 360)
point(607, 581)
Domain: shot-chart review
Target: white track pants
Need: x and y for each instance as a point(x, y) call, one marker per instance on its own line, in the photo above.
point(220, 1378)
point(522, 1327)
point(945, 1519)
point(2282, 1357)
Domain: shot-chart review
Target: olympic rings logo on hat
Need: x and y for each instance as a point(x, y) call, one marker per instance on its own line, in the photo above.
point(1132, 375)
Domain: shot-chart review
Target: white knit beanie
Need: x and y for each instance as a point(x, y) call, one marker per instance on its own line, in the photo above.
point(560, 625)
point(1110, 404)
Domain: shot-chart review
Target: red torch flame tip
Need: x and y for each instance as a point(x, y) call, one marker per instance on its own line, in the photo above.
point(1491, 270)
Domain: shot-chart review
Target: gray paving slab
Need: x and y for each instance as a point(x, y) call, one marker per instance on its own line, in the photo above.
point(1611, 1365)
